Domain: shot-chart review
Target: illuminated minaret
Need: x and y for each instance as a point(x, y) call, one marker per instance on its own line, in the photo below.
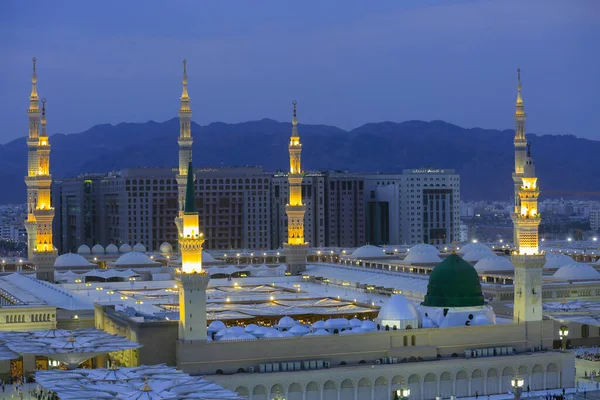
point(520, 143)
point(192, 281)
point(185, 147)
point(527, 258)
point(295, 249)
point(33, 113)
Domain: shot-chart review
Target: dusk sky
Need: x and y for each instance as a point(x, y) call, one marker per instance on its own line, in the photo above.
point(346, 62)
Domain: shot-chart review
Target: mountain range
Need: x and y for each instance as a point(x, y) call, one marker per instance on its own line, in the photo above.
point(482, 157)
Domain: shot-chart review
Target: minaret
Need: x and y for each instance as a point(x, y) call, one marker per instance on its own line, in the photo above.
point(528, 259)
point(520, 143)
point(296, 249)
point(44, 254)
point(192, 281)
point(33, 113)
point(185, 147)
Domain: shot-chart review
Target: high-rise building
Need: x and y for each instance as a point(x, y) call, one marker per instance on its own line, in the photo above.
point(383, 208)
point(430, 206)
point(334, 205)
point(527, 258)
point(40, 212)
point(295, 248)
point(138, 205)
point(595, 219)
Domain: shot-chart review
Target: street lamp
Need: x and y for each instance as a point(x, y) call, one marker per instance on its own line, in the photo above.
point(563, 332)
point(517, 385)
point(401, 393)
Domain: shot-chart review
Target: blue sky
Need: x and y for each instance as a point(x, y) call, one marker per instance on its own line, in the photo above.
point(347, 63)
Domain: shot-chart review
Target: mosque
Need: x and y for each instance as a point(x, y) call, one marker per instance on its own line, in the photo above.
point(429, 327)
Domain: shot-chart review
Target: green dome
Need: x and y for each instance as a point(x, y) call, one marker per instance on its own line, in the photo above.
point(454, 283)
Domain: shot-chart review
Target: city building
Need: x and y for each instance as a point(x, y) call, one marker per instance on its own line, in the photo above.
point(138, 205)
point(383, 208)
point(595, 219)
point(430, 206)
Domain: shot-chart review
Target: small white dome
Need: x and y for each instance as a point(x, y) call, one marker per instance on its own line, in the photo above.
point(250, 328)
point(481, 319)
point(368, 251)
point(140, 248)
point(286, 322)
point(424, 247)
point(471, 247)
point(555, 261)
point(355, 322)
point(236, 330)
point(206, 257)
point(97, 249)
point(398, 308)
point(71, 260)
point(134, 259)
point(166, 247)
point(298, 330)
point(84, 249)
point(422, 257)
point(318, 325)
point(576, 271)
point(368, 326)
point(494, 263)
point(337, 323)
point(478, 254)
point(124, 248)
point(112, 249)
point(216, 326)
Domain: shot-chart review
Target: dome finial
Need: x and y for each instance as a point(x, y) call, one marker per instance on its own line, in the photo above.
point(294, 118)
point(43, 106)
point(184, 66)
point(528, 149)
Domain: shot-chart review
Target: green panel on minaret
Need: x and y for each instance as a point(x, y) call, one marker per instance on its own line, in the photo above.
point(454, 283)
point(190, 199)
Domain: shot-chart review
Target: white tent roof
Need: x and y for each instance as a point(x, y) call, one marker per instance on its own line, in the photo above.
point(576, 271)
point(144, 382)
point(494, 263)
point(368, 251)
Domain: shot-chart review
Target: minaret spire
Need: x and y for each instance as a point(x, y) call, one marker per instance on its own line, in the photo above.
point(185, 142)
point(527, 257)
point(33, 96)
point(296, 248)
point(520, 143)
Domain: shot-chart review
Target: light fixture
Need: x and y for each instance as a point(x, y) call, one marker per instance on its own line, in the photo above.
point(517, 382)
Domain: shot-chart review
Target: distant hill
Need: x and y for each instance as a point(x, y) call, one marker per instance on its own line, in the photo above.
point(483, 157)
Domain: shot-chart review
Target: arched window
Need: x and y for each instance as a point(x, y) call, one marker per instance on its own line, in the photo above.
point(413, 340)
point(405, 341)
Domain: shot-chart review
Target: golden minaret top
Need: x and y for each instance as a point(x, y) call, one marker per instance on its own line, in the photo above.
point(33, 97)
point(520, 109)
point(185, 98)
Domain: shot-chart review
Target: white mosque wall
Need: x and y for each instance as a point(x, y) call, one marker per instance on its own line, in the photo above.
point(426, 380)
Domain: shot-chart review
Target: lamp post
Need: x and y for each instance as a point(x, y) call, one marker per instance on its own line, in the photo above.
point(401, 393)
point(563, 332)
point(517, 385)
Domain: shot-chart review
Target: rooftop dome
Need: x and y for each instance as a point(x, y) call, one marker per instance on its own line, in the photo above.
point(125, 248)
point(554, 261)
point(576, 271)
point(112, 249)
point(398, 308)
point(472, 246)
point(140, 248)
point(206, 257)
point(478, 254)
point(134, 259)
point(424, 247)
point(71, 260)
point(97, 249)
point(368, 251)
point(286, 322)
point(166, 247)
point(422, 257)
point(454, 283)
point(84, 249)
point(494, 263)
point(216, 326)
